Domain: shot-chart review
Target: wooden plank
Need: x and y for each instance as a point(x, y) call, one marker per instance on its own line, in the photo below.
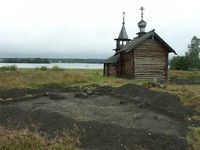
point(150, 60)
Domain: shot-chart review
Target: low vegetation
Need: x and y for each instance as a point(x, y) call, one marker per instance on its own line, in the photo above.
point(193, 137)
point(24, 139)
point(12, 77)
point(38, 77)
point(9, 68)
point(184, 75)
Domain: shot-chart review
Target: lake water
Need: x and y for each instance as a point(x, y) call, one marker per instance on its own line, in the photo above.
point(60, 65)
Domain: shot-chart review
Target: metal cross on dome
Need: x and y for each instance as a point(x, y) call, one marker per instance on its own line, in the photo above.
point(142, 8)
point(123, 18)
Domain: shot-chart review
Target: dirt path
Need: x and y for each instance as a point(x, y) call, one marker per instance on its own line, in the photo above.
point(105, 121)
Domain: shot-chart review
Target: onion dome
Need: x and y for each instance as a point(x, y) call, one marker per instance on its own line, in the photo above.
point(142, 24)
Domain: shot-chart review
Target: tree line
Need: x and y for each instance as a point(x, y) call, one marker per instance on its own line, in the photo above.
point(50, 60)
point(25, 60)
point(191, 59)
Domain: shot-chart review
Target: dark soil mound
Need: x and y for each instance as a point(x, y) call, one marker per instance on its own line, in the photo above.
point(111, 137)
point(100, 134)
point(161, 101)
point(13, 93)
point(20, 93)
point(48, 122)
point(94, 135)
point(50, 89)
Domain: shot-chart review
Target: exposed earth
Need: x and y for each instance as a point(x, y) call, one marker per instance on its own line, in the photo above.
point(130, 117)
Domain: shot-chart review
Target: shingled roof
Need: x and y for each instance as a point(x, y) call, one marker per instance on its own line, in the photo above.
point(112, 59)
point(123, 34)
point(137, 41)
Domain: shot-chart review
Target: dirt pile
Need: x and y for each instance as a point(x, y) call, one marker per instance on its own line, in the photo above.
point(129, 117)
point(160, 101)
point(94, 135)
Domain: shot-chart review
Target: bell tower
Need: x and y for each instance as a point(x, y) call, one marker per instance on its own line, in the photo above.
point(122, 39)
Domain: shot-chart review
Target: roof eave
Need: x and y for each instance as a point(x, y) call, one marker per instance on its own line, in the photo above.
point(112, 59)
point(141, 39)
point(171, 50)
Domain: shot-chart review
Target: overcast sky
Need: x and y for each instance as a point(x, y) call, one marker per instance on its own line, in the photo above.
point(86, 28)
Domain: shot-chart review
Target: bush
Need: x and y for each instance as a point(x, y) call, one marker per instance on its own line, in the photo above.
point(56, 68)
point(9, 68)
point(43, 68)
point(179, 63)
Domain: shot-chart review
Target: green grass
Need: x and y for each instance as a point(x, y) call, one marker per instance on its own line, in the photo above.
point(12, 77)
point(184, 75)
point(193, 137)
point(31, 78)
point(38, 77)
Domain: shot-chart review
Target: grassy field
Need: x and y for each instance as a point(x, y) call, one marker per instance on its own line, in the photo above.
point(36, 78)
point(12, 77)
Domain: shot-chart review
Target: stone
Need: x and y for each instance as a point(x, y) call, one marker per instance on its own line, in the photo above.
point(81, 94)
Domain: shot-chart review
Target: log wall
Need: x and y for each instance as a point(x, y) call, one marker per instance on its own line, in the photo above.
point(151, 60)
point(105, 70)
point(127, 64)
point(110, 69)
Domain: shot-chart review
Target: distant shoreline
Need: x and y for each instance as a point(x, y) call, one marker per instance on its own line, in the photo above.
point(51, 65)
point(50, 60)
